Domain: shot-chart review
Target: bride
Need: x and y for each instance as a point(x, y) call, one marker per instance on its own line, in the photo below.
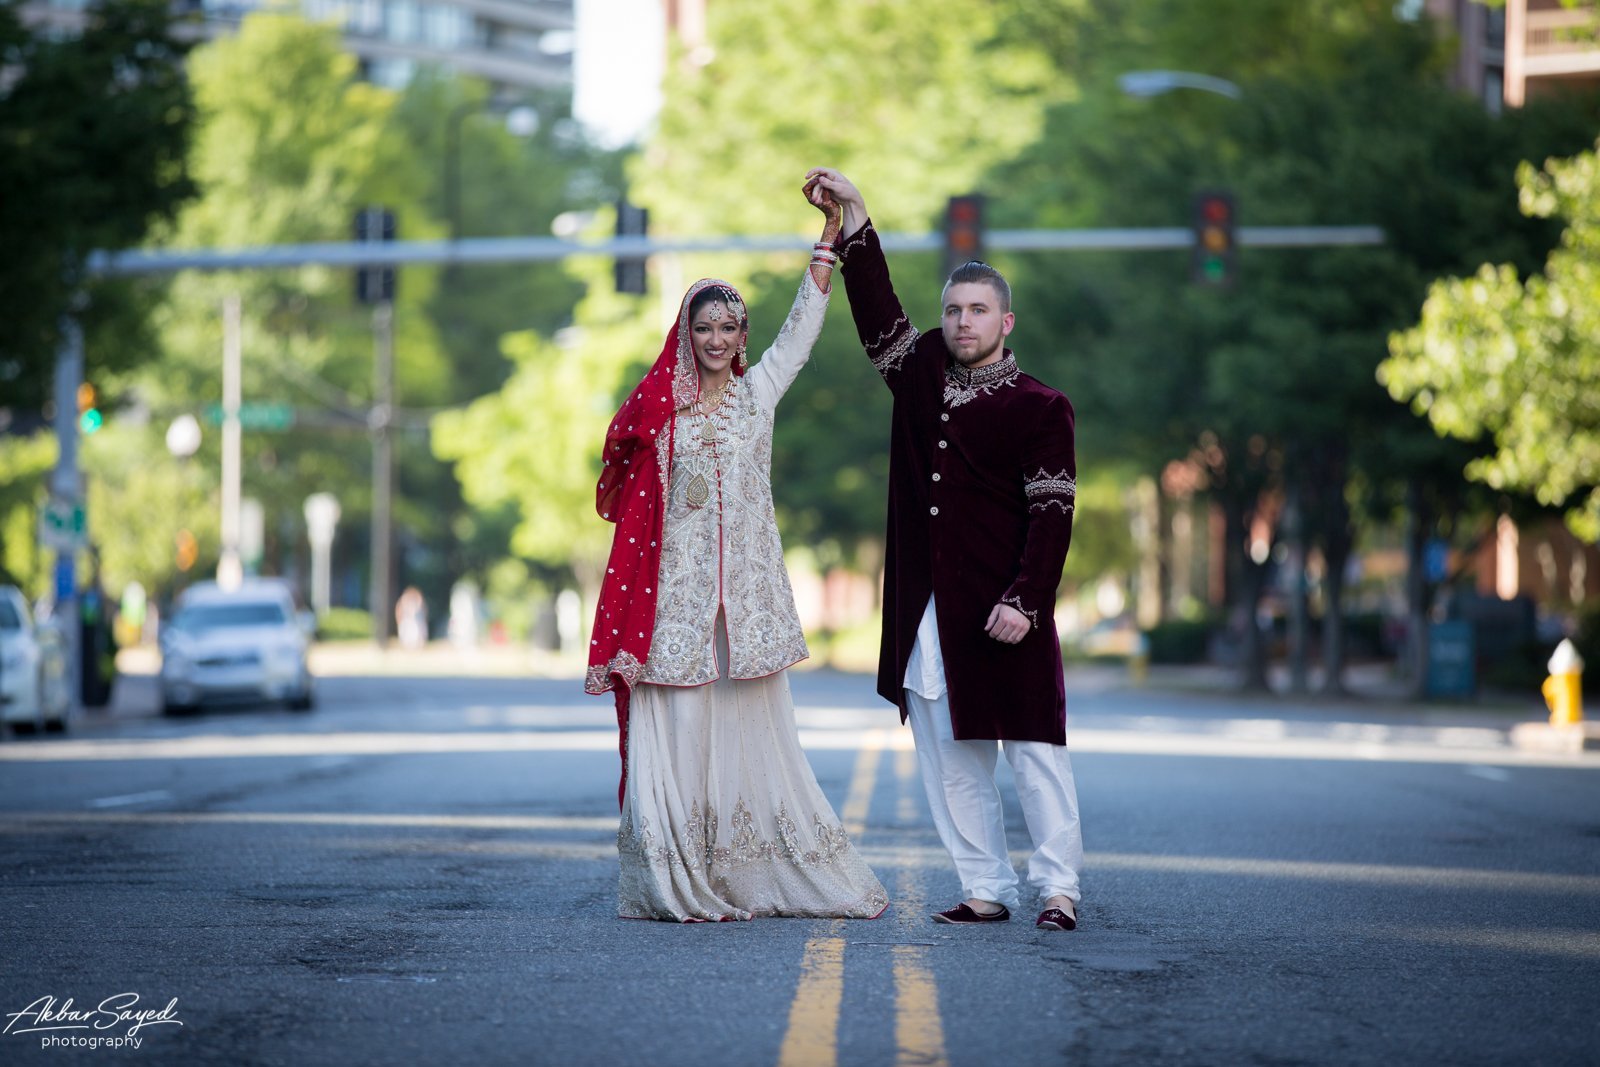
point(722, 817)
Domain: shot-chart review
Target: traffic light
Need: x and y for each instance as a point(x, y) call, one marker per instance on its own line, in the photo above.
point(1216, 243)
point(374, 285)
point(963, 230)
point(89, 417)
point(632, 221)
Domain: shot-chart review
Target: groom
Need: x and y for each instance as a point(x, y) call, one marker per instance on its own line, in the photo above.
point(982, 483)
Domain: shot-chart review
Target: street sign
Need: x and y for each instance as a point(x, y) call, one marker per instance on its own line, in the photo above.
point(62, 526)
point(66, 579)
point(259, 415)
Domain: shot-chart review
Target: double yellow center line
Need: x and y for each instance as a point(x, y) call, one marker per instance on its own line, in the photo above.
point(812, 1039)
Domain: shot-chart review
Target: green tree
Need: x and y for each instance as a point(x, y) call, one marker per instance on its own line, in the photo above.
point(291, 144)
point(534, 445)
point(1520, 358)
point(1344, 118)
point(94, 131)
point(25, 463)
point(505, 185)
point(914, 102)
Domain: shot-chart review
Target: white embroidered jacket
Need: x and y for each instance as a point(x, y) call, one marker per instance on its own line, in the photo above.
point(720, 543)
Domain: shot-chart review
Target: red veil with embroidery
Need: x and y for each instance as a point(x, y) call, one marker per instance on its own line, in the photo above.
point(636, 470)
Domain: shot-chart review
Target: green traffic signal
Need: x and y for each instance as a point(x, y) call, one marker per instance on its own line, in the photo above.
point(90, 421)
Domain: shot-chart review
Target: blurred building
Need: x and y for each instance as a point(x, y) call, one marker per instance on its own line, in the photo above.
point(514, 45)
point(1513, 54)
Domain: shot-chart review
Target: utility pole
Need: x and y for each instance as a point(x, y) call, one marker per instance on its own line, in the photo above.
point(375, 286)
point(230, 568)
point(66, 491)
point(382, 467)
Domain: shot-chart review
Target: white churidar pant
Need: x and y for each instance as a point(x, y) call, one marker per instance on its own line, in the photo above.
point(965, 802)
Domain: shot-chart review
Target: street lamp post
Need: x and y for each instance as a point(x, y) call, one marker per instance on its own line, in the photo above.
point(520, 121)
point(1156, 82)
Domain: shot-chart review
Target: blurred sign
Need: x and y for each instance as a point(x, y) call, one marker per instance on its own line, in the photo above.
point(66, 579)
point(1436, 560)
point(252, 533)
point(62, 526)
point(1452, 657)
point(322, 517)
point(256, 416)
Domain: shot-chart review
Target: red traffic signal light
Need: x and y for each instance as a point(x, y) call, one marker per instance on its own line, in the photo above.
point(1215, 239)
point(963, 230)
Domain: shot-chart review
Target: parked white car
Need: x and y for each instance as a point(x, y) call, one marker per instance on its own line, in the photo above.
point(246, 644)
point(33, 668)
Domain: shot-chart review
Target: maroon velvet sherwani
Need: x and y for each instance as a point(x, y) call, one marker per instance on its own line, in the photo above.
point(982, 483)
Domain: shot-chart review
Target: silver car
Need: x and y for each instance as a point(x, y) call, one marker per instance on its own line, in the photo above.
point(245, 644)
point(33, 668)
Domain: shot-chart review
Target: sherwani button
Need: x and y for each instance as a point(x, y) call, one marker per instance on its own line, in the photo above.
point(936, 476)
point(933, 511)
point(944, 444)
point(944, 416)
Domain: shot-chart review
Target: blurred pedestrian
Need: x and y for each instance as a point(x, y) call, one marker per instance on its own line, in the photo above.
point(982, 485)
point(411, 618)
point(465, 614)
point(696, 626)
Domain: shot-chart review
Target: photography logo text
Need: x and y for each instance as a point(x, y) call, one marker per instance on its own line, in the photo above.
point(115, 1022)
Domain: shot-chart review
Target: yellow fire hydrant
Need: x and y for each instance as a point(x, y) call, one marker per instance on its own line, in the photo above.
point(1563, 690)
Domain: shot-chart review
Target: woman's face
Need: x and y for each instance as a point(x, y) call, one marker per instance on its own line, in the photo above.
point(716, 334)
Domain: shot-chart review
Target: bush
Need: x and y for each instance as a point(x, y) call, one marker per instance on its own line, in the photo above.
point(1179, 641)
point(345, 624)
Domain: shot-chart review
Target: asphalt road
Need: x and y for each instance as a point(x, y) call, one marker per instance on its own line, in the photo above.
point(423, 871)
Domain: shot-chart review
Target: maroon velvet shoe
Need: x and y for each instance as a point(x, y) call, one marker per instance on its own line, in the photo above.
point(962, 915)
point(1056, 919)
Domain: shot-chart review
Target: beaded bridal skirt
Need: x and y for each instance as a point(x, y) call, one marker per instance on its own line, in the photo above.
point(723, 818)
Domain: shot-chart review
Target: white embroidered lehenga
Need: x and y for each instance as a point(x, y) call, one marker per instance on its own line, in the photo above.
point(722, 817)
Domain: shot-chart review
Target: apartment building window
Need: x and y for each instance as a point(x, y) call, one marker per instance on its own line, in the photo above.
point(363, 16)
point(443, 27)
point(400, 21)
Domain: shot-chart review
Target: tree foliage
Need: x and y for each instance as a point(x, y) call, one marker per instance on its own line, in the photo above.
point(94, 132)
point(1520, 358)
point(535, 443)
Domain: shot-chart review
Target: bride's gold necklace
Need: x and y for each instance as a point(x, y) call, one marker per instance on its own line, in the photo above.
point(706, 406)
point(698, 493)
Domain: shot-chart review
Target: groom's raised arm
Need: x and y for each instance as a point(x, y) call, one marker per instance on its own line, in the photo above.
point(881, 323)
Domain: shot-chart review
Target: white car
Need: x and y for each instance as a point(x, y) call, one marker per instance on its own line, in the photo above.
point(245, 644)
point(33, 683)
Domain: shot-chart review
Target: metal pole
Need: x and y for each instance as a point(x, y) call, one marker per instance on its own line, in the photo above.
point(473, 250)
point(230, 568)
point(452, 165)
point(1295, 528)
point(382, 468)
point(66, 484)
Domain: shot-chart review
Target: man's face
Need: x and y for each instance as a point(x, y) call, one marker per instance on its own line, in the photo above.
point(715, 333)
point(975, 329)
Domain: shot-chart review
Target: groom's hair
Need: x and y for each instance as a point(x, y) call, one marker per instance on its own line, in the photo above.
point(976, 270)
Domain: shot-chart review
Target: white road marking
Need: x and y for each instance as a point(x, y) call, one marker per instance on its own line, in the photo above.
point(152, 796)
